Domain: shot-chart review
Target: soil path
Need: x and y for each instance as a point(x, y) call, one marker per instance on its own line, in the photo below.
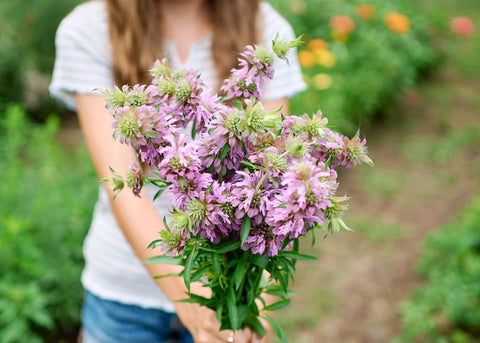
point(427, 166)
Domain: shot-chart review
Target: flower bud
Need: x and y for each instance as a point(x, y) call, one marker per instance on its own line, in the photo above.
point(166, 87)
point(117, 98)
point(280, 47)
point(134, 178)
point(137, 97)
point(264, 55)
point(276, 160)
point(128, 125)
point(254, 116)
point(196, 210)
point(296, 147)
point(231, 122)
point(160, 69)
point(272, 121)
point(180, 220)
point(183, 91)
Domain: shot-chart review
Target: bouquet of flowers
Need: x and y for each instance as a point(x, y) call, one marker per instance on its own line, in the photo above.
point(243, 192)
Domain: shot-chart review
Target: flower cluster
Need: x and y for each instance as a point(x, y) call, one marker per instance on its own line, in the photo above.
point(244, 190)
point(248, 167)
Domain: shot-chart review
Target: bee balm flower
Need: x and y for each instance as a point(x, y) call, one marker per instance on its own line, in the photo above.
point(306, 58)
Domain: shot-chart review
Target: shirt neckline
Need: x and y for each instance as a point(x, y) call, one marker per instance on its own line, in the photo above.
point(172, 52)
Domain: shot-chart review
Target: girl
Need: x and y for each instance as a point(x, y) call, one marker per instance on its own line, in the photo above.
point(102, 43)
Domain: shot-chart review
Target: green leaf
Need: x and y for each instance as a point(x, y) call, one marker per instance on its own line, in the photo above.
point(224, 151)
point(335, 225)
point(259, 261)
point(164, 259)
point(242, 311)
point(328, 163)
point(217, 268)
point(278, 330)
point(344, 226)
point(239, 273)
point(159, 192)
point(198, 299)
point(279, 292)
point(286, 263)
point(164, 276)
point(219, 312)
point(227, 247)
point(297, 256)
point(232, 308)
point(246, 226)
point(188, 268)
point(296, 245)
point(278, 305)
point(239, 105)
point(283, 278)
point(255, 324)
point(197, 276)
point(205, 248)
point(155, 243)
point(150, 134)
point(250, 166)
point(194, 131)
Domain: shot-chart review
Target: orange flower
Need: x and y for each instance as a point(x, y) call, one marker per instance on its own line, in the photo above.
point(306, 58)
point(397, 22)
point(462, 26)
point(342, 23)
point(317, 45)
point(365, 11)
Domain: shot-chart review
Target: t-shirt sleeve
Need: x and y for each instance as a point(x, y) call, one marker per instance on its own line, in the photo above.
point(82, 63)
point(287, 80)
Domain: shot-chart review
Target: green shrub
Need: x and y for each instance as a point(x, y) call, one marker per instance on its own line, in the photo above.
point(357, 70)
point(46, 198)
point(27, 44)
point(447, 307)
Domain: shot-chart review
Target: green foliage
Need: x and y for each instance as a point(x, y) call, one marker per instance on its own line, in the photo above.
point(235, 278)
point(447, 307)
point(357, 75)
point(46, 197)
point(27, 44)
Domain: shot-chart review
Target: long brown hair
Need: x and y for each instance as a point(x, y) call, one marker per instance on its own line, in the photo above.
point(134, 32)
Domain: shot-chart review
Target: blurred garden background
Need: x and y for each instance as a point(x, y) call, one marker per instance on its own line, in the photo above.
point(405, 73)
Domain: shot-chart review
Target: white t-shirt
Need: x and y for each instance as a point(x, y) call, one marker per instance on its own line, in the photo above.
point(83, 64)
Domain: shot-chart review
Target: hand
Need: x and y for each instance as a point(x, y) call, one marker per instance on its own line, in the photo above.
point(203, 324)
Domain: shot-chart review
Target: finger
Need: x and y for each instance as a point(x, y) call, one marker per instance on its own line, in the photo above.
point(243, 336)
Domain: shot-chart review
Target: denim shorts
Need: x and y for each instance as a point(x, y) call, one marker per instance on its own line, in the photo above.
point(105, 321)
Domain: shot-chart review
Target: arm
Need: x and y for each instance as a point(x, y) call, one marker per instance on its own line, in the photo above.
point(272, 105)
point(138, 219)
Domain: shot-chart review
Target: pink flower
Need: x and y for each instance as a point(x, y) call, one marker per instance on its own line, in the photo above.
point(132, 124)
point(248, 80)
point(462, 26)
